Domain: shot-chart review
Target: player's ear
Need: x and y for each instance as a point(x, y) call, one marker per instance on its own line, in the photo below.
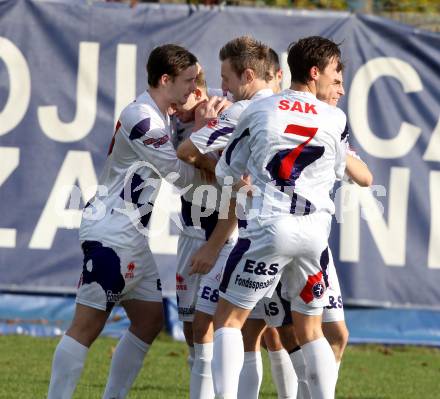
point(314, 72)
point(198, 94)
point(249, 75)
point(164, 79)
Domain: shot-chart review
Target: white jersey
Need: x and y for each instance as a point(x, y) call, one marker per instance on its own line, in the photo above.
point(290, 144)
point(215, 135)
point(219, 93)
point(140, 155)
point(200, 203)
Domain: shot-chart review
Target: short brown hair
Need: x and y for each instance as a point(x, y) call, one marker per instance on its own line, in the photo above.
point(246, 53)
point(309, 52)
point(201, 80)
point(169, 59)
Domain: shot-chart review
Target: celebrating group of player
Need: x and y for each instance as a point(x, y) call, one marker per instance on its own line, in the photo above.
point(275, 155)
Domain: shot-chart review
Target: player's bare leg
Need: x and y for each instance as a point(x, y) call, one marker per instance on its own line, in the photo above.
point(318, 355)
point(71, 351)
point(251, 374)
point(188, 334)
point(228, 348)
point(146, 321)
point(337, 334)
point(201, 385)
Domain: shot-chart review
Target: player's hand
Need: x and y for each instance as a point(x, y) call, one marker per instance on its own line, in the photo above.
point(209, 110)
point(244, 186)
point(203, 260)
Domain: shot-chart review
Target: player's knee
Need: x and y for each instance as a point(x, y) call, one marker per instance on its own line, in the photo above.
point(308, 329)
point(203, 330)
point(339, 342)
point(288, 337)
point(272, 340)
point(148, 328)
point(337, 335)
point(188, 332)
point(229, 315)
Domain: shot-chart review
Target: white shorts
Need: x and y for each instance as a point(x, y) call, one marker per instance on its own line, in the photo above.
point(111, 275)
point(198, 291)
point(287, 244)
point(276, 310)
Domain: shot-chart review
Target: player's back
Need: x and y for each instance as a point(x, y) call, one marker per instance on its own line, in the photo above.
point(294, 152)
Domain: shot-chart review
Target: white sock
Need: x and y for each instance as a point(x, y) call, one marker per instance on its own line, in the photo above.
point(338, 365)
point(283, 374)
point(227, 361)
point(190, 358)
point(126, 363)
point(201, 385)
point(68, 362)
point(251, 376)
point(299, 365)
point(320, 368)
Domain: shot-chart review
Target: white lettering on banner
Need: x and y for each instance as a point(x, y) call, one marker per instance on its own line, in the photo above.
point(77, 166)
point(434, 237)
point(19, 86)
point(390, 237)
point(167, 206)
point(86, 101)
point(10, 158)
point(433, 151)
point(405, 140)
point(125, 86)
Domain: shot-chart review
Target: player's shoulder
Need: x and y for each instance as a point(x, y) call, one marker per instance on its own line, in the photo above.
point(333, 115)
point(143, 112)
point(233, 113)
point(261, 104)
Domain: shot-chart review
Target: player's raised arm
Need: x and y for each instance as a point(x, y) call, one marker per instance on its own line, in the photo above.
point(358, 171)
point(204, 259)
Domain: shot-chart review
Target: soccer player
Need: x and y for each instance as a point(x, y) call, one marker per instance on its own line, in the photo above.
point(118, 265)
point(202, 232)
point(245, 70)
point(290, 146)
point(334, 327)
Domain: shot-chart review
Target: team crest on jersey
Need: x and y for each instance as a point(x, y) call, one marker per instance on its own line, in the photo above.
point(156, 142)
point(223, 116)
point(180, 283)
point(212, 123)
point(130, 270)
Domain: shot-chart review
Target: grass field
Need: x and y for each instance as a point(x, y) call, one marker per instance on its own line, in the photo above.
point(368, 372)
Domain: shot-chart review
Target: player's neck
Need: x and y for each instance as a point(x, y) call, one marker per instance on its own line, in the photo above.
point(255, 88)
point(307, 88)
point(161, 101)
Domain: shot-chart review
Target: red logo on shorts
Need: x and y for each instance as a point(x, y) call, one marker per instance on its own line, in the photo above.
point(130, 270)
point(314, 288)
point(180, 283)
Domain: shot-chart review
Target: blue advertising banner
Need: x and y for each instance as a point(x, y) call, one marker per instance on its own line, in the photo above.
point(68, 69)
